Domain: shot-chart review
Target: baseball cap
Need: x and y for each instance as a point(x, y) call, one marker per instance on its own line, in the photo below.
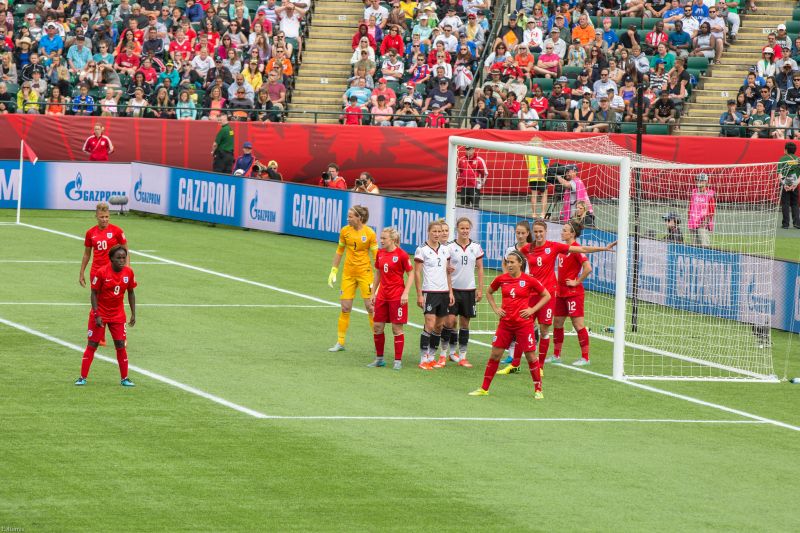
point(583, 73)
point(571, 167)
point(606, 20)
point(411, 84)
point(671, 216)
point(731, 102)
point(598, 31)
point(471, 16)
point(247, 144)
point(382, 80)
point(658, 62)
point(408, 100)
point(555, 30)
point(781, 27)
point(512, 16)
point(752, 69)
point(768, 50)
point(576, 41)
point(563, 79)
point(423, 16)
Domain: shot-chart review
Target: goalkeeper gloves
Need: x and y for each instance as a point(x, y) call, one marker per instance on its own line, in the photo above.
point(332, 276)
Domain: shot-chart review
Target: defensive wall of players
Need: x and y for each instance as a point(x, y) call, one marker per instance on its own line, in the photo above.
point(697, 280)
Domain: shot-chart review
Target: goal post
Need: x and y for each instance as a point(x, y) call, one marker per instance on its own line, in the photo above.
point(701, 308)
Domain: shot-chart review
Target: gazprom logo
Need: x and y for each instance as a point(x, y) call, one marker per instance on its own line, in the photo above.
point(145, 197)
point(262, 215)
point(75, 192)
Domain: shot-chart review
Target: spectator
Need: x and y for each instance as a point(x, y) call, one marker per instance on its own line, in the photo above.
point(792, 97)
point(407, 116)
point(759, 122)
point(576, 54)
point(782, 38)
point(163, 106)
point(533, 37)
point(548, 64)
point(719, 29)
point(584, 115)
point(383, 90)
point(691, 24)
point(359, 91)
point(673, 224)
point(528, 119)
point(138, 106)
point(83, 102)
point(631, 37)
point(768, 102)
point(185, 107)
point(584, 32)
point(772, 42)
point(353, 112)
point(243, 166)
point(240, 105)
point(680, 42)
point(559, 44)
point(539, 102)
point(729, 11)
point(702, 207)
point(498, 56)
point(511, 34)
point(449, 40)
point(602, 86)
point(362, 36)
point(381, 113)
point(655, 8)
point(393, 41)
point(610, 36)
point(56, 103)
point(436, 118)
point(375, 9)
point(782, 124)
point(663, 110)
point(481, 116)
point(583, 214)
point(392, 68)
point(731, 121)
point(109, 104)
point(604, 116)
point(441, 98)
point(699, 9)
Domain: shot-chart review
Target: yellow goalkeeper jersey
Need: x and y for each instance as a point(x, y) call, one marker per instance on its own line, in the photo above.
point(358, 244)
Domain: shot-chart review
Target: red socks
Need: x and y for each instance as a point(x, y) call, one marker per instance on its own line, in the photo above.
point(86, 362)
point(515, 361)
point(536, 375)
point(380, 341)
point(491, 370)
point(122, 359)
point(583, 340)
point(558, 341)
point(399, 342)
point(544, 345)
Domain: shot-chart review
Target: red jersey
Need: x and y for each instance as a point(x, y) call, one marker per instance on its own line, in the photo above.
point(569, 267)
point(352, 115)
point(542, 262)
point(101, 241)
point(517, 293)
point(98, 147)
point(392, 265)
point(111, 287)
point(182, 50)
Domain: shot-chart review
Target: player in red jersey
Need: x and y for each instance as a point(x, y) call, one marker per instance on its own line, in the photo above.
point(109, 286)
point(518, 289)
point(390, 295)
point(573, 269)
point(542, 255)
point(98, 146)
point(99, 239)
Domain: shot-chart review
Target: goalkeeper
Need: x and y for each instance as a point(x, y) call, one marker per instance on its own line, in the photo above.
point(360, 241)
point(789, 176)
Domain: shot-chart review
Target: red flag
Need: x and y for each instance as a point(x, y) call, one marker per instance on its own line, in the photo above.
point(29, 153)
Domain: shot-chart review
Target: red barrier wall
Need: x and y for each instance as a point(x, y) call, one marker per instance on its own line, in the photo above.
point(400, 158)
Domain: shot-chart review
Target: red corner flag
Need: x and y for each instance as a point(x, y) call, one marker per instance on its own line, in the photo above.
point(29, 153)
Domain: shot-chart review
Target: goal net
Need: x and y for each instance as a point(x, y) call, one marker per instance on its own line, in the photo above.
point(687, 293)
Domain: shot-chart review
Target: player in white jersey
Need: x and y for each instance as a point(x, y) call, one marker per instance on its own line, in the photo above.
point(524, 236)
point(466, 256)
point(434, 291)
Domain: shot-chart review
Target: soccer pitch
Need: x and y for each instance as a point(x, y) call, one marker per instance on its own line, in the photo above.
point(242, 420)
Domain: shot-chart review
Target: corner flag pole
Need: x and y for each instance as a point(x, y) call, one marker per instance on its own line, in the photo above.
point(19, 182)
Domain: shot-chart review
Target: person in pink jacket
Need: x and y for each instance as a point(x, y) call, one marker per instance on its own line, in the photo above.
point(574, 192)
point(702, 205)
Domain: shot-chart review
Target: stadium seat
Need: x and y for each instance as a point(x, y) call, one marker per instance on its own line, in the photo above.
point(627, 127)
point(699, 63)
point(793, 27)
point(545, 83)
point(796, 13)
point(642, 35)
point(571, 72)
point(627, 21)
point(657, 129)
point(649, 23)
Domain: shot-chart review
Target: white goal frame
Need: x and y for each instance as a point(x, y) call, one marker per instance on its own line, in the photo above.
point(624, 164)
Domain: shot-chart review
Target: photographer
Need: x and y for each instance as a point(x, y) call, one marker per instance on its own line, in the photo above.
point(332, 179)
point(789, 175)
point(366, 183)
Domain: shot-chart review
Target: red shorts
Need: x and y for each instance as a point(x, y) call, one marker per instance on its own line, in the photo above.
point(119, 330)
point(390, 312)
point(544, 315)
point(571, 306)
point(522, 334)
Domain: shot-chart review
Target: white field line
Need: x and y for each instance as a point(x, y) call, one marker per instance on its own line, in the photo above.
point(257, 414)
point(46, 262)
point(139, 370)
point(84, 304)
point(320, 300)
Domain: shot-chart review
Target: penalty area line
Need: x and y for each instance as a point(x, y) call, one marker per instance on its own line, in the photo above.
point(139, 370)
point(84, 304)
point(639, 386)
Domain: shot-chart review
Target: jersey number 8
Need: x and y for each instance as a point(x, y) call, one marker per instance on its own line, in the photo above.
point(386, 268)
point(538, 261)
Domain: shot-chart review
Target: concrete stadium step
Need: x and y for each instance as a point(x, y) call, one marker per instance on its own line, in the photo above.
point(338, 20)
point(321, 70)
point(340, 48)
point(318, 91)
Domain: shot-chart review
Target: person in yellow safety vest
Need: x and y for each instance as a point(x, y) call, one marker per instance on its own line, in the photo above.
point(537, 183)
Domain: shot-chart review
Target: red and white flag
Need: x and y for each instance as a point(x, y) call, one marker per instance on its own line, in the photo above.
point(29, 153)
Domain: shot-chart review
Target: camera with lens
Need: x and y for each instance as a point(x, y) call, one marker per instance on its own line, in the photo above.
point(789, 181)
point(361, 182)
point(326, 177)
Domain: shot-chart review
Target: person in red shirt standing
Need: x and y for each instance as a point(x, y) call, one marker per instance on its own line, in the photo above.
point(472, 174)
point(390, 295)
point(518, 290)
point(98, 241)
point(98, 146)
point(109, 286)
point(573, 269)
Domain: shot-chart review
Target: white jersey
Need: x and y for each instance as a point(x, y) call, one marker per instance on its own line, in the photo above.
point(512, 249)
point(463, 260)
point(434, 267)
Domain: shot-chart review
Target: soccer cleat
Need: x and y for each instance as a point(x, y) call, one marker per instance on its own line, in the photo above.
point(102, 342)
point(336, 348)
point(455, 358)
point(426, 365)
point(398, 365)
point(441, 363)
point(507, 359)
point(127, 383)
point(553, 359)
point(478, 392)
point(581, 362)
point(510, 369)
point(80, 381)
point(463, 362)
point(538, 395)
point(377, 363)
point(541, 372)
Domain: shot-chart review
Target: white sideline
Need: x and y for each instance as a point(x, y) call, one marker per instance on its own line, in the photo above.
point(320, 300)
point(139, 370)
point(46, 262)
point(84, 304)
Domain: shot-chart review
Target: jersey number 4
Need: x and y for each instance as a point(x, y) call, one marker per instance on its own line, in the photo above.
point(513, 294)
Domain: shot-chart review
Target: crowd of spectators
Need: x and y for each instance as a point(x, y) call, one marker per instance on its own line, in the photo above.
point(576, 67)
point(766, 104)
point(179, 59)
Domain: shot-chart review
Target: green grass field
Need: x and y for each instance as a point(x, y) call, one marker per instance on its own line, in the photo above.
point(321, 443)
